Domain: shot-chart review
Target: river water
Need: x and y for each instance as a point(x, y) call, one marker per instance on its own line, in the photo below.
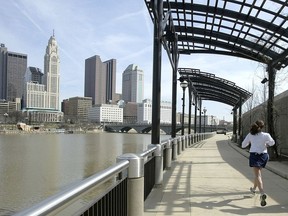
point(36, 166)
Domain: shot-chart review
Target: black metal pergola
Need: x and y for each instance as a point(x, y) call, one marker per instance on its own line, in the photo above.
point(207, 86)
point(250, 29)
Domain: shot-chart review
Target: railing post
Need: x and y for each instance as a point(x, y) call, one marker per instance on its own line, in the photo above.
point(135, 191)
point(183, 142)
point(158, 165)
point(168, 161)
point(175, 149)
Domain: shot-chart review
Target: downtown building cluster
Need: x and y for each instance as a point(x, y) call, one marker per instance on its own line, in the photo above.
point(31, 96)
point(27, 94)
point(101, 103)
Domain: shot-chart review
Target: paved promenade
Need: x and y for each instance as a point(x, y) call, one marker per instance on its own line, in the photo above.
point(213, 178)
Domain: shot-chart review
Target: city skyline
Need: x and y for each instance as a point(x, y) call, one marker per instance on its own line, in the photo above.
point(113, 30)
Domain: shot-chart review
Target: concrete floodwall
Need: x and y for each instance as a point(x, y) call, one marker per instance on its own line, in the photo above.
point(280, 117)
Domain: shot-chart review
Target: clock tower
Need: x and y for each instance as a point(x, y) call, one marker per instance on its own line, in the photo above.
point(52, 73)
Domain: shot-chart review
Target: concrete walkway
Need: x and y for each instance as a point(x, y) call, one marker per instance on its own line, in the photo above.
point(213, 178)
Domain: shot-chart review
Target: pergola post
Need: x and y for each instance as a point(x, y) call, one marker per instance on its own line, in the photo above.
point(190, 107)
point(240, 122)
point(234, 124)
point(200, 116)
point(174, 93)
point(195, 116)
point(156, 93)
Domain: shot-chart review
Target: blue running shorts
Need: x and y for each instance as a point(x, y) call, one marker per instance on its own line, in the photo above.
point(258, 160)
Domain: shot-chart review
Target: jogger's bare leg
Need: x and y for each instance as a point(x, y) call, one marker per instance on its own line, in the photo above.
point(258, 179)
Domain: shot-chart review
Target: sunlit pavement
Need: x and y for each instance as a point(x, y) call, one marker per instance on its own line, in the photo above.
point(213, 178)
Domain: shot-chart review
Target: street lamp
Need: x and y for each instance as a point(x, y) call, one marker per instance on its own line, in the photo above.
point(264, 81)
point(6, 116)
point(184, 85)
point(204, 110)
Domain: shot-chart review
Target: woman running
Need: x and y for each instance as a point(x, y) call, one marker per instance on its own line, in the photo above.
point(258, 155)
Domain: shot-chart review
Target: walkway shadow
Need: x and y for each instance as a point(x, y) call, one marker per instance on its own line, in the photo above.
point(267, 210)
point(175, 193)
point(227, 203)
point(227, 206)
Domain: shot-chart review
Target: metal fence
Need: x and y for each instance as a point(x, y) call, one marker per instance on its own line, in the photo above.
point(113, 203)
point(133, 178)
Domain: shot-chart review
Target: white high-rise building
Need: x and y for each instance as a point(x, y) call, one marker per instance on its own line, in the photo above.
point(34, 96)
point(34, 91)
point(165, 112)
point(144, 112)
point(105, 113)
point(52, 74)
point(133, 84)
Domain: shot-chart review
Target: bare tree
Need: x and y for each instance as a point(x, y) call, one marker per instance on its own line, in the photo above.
point(252, 101)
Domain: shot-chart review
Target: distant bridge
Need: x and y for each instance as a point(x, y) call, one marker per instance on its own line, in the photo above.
point(146, 128)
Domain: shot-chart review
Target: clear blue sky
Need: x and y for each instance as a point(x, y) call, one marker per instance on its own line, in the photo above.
point(121, 30)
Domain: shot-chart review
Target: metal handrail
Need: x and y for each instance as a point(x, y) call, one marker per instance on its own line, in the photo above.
point(152, 149)
point(148, 151)
point(53, 202)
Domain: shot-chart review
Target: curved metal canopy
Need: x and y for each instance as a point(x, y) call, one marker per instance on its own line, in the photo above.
point(206, 86)
point(256, 30)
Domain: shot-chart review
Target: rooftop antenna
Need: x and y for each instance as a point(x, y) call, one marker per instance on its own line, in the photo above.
point(53, 33)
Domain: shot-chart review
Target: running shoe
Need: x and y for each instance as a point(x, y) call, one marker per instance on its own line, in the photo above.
point(252, 191)
point(263, 199)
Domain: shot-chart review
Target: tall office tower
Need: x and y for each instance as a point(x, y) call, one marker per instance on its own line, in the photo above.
point(34, 74)
point(133, 84)
point(12, 70)
point(100, 80)
point(52, 74)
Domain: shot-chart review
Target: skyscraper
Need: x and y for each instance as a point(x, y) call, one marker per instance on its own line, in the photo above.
point(133, 84)
point(52, 73)
point(100, 80)
point(12, 70)
point(34, 74)
point(41, 98)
